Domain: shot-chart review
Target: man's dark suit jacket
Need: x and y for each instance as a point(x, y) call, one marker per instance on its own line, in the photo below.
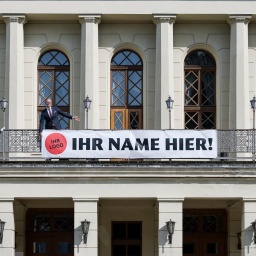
point(54, 121)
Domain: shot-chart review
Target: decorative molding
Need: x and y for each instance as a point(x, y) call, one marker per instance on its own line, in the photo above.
point(85, 199)
point(239, 19)
point(170, 199)
point(164, 18)
point(94, 18)
point(21, 19)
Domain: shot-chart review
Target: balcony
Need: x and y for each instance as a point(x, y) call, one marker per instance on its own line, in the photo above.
point(25, 145)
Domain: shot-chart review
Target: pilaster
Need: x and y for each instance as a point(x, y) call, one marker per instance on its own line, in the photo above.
point(164, 68)
point(14, 70)
point(239, 104)
point(248, 216)
point(89, 78)
point(7, 215)
point(170, 208)
point(234, 227)
point(86, 208)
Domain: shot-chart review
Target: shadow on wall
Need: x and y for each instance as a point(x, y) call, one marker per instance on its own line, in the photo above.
point(163, 237)
point(248, 238)
point(78, 238)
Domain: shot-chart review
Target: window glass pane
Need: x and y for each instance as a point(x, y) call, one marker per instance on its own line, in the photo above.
point(41, 223)
point(191, 89)
point(118, 120)
point(199, 58)
point(126, 58)
point(212, 223)
point(45, 86)
point(134, 231)
point(191, 120)
point(119, 250)
point(118, 88)
point(119, 231)
point(62, 88)
point(64, 122)
point(64, 223)
point(134, 250)
point(188, 248)
point(135, 88)
point(191, 223)
point(208, 120)
point(208, 88)
point(212, 248)
point(53, 58)
point(39, 247)
point(134, 120)
point(64, 247)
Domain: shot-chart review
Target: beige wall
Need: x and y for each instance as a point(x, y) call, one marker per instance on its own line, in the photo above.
point(126, 210)
point(38, 39)
point(140, 37)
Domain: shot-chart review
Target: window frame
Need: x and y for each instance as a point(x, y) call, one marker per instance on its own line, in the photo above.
point(199, 108)
point(126, 241)
point(53, 69)
point(126, 108)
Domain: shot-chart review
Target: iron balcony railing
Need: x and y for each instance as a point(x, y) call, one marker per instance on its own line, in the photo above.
point(232, 144)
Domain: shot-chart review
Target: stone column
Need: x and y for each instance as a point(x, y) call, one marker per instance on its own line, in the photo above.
point(239, 102)
point(164, 69)
point(248, 216)
point(14, 71)
point(6, 214)
point(89, 75)
point(86, 208)
point(170, 208)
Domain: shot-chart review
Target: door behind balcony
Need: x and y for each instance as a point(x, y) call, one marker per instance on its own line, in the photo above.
point(126, 91)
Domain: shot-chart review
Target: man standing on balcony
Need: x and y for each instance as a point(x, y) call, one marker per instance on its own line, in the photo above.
point(49, 116)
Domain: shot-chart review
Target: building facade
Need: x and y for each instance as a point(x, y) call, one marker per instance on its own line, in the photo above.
point(128, 57)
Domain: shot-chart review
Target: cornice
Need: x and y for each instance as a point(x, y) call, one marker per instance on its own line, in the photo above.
point(157, 171)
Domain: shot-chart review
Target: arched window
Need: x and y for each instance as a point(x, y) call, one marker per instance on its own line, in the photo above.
point(53, 82)
point(200, 90)
point(126, 91)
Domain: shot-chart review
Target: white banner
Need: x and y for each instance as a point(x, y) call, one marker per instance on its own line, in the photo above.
point(102, 144)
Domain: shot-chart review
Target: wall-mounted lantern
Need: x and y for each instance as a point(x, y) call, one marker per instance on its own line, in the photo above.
point(85, 229)
point(2, 223)
point(254, 231)
point(170, 228)
point(169, 104)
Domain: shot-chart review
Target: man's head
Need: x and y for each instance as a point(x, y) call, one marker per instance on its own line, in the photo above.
point(48, 102)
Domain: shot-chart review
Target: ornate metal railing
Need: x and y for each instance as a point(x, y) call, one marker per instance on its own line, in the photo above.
point(229, 141)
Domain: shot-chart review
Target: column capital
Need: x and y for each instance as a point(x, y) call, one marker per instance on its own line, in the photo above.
point(6, 199)
point(249, 199)
point(169, 199)
point(239, 19)
point(85, 199)
point(19, 18)
point(164, 18)
point(89, 18)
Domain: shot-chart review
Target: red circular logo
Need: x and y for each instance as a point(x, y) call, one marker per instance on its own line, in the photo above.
point(55, 143)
